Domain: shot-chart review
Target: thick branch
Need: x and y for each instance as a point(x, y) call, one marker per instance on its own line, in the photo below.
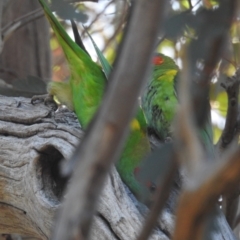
point(107, 133)
point(196, 202)
point(33, 141)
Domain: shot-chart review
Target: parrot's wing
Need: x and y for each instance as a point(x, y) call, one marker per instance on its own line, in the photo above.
point(70, 48)
point(87, 82)
point(104, 62)
point(77, 37)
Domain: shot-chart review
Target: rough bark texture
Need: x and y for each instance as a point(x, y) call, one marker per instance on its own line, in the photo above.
point(33, 141)
point(27, 51)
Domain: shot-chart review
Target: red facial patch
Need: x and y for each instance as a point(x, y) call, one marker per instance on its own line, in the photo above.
point(157, 60)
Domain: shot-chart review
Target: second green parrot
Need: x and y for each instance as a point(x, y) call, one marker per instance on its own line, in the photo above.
point(159, 102)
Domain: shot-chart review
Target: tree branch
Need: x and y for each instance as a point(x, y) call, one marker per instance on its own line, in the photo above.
point(221, 177)
point(107, 133)
point(1, 33)
point(190, 4)
point(230, 135)
point(76, 1)
point(232, 88)
point(10, 28)
point(34, 139)
point(161, 196)
point(197, 189)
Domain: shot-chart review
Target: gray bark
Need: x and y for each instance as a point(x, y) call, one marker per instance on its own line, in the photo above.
point(27, 51)
point(33, 141)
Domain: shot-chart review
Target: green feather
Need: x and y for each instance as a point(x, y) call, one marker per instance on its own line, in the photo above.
point(84, 90)
point(105, 64)
point(83, 94)
point(159, 103)
point(87, 82)
point(159, 99)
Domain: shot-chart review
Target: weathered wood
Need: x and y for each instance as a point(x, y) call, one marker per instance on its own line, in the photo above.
point(27, 51)
point(33, 141)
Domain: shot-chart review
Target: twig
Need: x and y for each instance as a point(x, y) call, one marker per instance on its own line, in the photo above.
point(237, 220)
point(11, 72)
point(232, 88)
point(190, 4)
point(221, 177)
point(117, 30)
point(105, 137)
point(75, 1)
point(10, 28)
point(119, 25)
point(96, 17)
point(1, 33)
point(203, 193)
point(160, 199)
point(230, 202)
point(160, 40)
point(230, 135)
point(186, 133)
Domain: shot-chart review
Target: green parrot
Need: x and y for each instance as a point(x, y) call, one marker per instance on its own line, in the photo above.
point(83, 93)
point(159, 102)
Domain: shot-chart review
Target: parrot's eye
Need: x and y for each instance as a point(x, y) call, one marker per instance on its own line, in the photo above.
point(157, 60)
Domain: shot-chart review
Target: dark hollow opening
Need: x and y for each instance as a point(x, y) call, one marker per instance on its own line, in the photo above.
point(49, 174)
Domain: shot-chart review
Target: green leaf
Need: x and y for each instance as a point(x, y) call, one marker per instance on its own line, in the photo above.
point(104, 62)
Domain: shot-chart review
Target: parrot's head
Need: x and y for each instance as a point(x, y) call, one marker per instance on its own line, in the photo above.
point(164, 62)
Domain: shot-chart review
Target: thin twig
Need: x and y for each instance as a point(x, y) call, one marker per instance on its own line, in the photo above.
point(1, 33)
point(10, 28)
point(190, 4)
point(230, 135)
point(96, 17)
point(119, 25)
point(11, 72)
point(237, 221)
point(186, 133)
point(116, 32)
point(204, 193)
point(160, 40)
point(160, 199)
point(221, 177)
point(76, 1)
point(105, 137)
point(232, 88)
